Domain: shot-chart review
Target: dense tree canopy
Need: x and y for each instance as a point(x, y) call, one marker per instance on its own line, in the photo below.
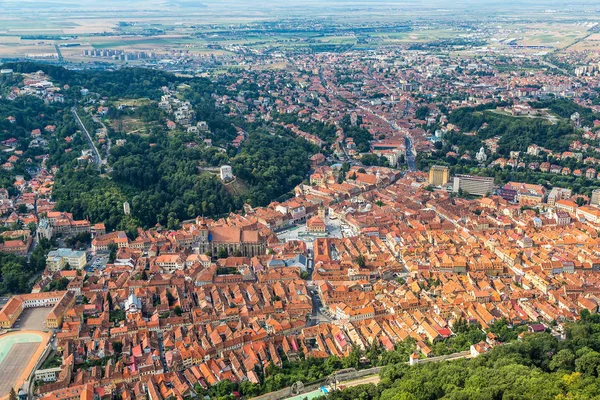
point(516, 133)
point(565, 108)
point(272, 165)
point(539, 367)
point(324, 131)
point(199, 93)
point(374, 159)
point(158, 176)
point(17, 274)
point(124, 82)
point(164, 181)
point(361, 136)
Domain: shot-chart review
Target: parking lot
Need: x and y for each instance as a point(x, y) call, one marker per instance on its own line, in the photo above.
point(97, 261)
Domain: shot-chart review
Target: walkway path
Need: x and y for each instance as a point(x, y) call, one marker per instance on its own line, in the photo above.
point(95, 153)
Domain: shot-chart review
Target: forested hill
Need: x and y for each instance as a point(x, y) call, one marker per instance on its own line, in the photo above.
point(516, 134)
point(159, 171)
point(163, 184)
point(506, 134)
point(121, 83)
point(539, 367)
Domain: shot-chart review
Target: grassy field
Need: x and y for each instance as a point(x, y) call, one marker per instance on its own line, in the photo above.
point(130, 126)
point(552, 34)
point(590, 44)
point(10, 40)
point(140, 43)
point(416, 36)
point(24, 48)
point(134, 102)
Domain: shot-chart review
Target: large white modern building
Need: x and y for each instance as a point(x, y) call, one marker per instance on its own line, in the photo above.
point(476, 185)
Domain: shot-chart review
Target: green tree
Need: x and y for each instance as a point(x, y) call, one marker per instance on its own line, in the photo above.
point(353, 360)
point(587, 362)
point(222, 253)
point(57, 284)
point(113, 252)
point(564, 360)
point(117, 347)
point(422, 112)
point(360, 261)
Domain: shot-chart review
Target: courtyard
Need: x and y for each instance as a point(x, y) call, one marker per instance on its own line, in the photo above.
point(33, 319)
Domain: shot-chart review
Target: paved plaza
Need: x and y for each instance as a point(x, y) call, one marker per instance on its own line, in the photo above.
point(33, 319)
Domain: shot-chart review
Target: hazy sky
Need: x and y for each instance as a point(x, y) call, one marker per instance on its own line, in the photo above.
point(312, 3)
point(289, 8)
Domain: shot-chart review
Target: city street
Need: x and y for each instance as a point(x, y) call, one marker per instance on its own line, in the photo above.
point(317, 316)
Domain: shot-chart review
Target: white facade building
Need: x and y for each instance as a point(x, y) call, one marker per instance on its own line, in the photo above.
point(226, 173)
